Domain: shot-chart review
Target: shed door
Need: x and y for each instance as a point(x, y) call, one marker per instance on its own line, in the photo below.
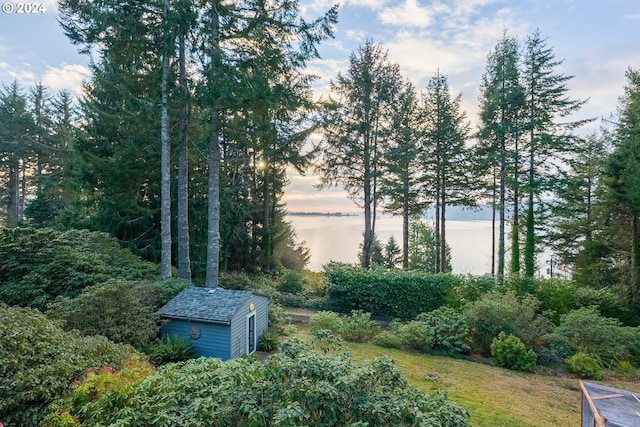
point(251, 333)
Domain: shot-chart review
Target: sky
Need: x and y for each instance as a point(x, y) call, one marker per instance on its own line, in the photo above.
point(597, 40)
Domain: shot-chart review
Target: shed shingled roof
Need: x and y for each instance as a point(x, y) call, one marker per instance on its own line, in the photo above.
point(214, 305)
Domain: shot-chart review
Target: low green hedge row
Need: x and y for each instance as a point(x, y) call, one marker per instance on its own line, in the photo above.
point(397, 294)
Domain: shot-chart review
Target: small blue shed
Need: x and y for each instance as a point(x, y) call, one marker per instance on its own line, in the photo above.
point(220, 322)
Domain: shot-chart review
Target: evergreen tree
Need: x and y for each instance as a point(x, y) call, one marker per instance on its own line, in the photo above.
point(445, 157)
point(16, 149)
point(56, 166)
point(423, 251)
point(623, 187)
point(502, 100)
point(576, 226)
point(354, 128)
point(401, 176)
point(393, 255)
point(548, 137)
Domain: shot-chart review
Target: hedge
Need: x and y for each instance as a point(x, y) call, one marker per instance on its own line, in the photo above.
point(397, 294)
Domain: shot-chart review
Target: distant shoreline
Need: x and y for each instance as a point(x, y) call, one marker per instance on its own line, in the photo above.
point(321, 214)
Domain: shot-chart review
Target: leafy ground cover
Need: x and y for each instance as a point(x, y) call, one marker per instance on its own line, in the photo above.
point(494, 397)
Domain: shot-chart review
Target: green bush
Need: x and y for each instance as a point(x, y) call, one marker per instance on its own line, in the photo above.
point(449, 330)
point(291, 282)
point(300, 386)
point(117, 384)
point(555, 352)
point(586, 365)
point(469, 288)
point(279, 319)
point(389, 339)
point(587, 331)
point(416, 336)
point(170, 349)
point(509, 352)
point(268, 341)
point(39, 361)
point(124, 312)
point(561, 296)
point(39, 265)
point(326, 320)
point(358, 327)
point(397, 294)
point(497, 312)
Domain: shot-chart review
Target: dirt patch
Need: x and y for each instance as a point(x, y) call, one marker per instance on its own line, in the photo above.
point(300, 315)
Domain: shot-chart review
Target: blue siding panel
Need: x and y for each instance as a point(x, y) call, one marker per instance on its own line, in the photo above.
point(238, 325)
point(213, 341)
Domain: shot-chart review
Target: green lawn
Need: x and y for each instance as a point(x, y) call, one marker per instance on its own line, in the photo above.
point(493, 396)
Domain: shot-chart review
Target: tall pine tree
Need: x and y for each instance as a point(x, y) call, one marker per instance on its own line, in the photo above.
point(354, 128)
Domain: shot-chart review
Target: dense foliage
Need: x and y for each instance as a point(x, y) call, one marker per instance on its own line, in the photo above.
point(396, 294)
point(304, 385)
point(511, 353)
point(497, 312)
point(123, 311)
point(39, 361)
point(586, 330)
point(42, 264)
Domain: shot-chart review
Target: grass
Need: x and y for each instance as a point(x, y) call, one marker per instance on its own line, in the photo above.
point(494, 397)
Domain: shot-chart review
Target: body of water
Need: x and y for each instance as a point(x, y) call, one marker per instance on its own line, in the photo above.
point(337, 238)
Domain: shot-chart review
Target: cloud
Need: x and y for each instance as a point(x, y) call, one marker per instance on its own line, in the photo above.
point(370, 4)
point(409, 13)
point(67, 76)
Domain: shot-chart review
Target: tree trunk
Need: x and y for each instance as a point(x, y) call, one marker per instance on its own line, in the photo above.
point(635, 260)
point(184, 258)
point(165, 208)
point(405, 225)
point(443, 239)
point(515, 220)
point(266, 235)
point(493, 225)
point(13, 201)
point(503, 175)
point(213, 194)
point(529, 249)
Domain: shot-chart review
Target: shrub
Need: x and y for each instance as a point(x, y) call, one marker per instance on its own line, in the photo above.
point(499, 312)
point(291, 282)
point(358, 327)
point(587, 331)
point(94, 387)
point(279, 319)
point(121, 311)
point(449, 330)
point(40, 361)
point(170, 349)
point(468, 289)
point(555, 352)
point(39, 265)
point(397, 294)
point(300, 386)
point(511, 353)
point(326, 320)
point(161, 291)
point(416, 336)
point(268, 341)
point(389, 339)
point(557, 297)
point(586, 365)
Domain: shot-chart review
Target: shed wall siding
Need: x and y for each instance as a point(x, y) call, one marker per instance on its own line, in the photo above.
point(239, 324)
point(213, 341)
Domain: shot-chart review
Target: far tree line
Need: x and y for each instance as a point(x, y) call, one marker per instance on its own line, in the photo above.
point(181, 140)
